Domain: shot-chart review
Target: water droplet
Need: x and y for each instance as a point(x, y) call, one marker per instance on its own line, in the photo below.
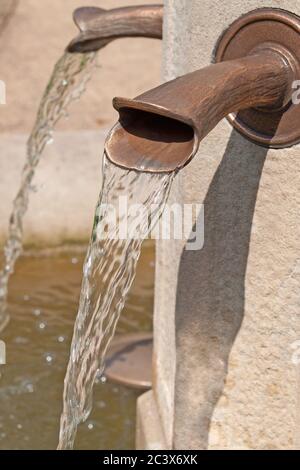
point(74, 260)
point(19, 426)
point(49, 358)
point(90, 426)
point(37, 312)
point(103, 379)
point(42, 325)
point(61, 339)
point(64, 82)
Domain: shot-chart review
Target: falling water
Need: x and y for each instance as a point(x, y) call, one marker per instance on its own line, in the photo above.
point(108, 273)
point(67, 84)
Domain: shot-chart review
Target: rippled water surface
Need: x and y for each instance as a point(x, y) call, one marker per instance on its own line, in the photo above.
point(43, 302)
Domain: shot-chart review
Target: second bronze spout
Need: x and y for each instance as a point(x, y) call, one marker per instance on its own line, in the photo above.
point(98, 27)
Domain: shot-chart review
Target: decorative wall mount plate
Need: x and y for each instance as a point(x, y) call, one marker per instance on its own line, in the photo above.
point(274, 128)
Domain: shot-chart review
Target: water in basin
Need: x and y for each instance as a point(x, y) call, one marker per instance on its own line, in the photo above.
point(43, 301)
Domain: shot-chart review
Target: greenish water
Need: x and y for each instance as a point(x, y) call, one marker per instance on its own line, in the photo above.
point(43, 302)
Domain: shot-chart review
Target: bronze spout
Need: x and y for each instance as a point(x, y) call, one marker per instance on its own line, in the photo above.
point(99, 27)
point(160, 130)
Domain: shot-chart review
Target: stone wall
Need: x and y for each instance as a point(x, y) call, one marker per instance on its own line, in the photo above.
point(227, 324)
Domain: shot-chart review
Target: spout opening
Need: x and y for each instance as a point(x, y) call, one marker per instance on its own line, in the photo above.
point(150, 142)
point(88, 42)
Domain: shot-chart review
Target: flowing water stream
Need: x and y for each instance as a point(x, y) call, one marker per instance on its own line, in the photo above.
point(108, 273)
point(67, 84)
point(112, 257)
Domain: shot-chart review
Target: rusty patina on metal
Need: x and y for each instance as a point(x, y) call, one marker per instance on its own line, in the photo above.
point(129, 360)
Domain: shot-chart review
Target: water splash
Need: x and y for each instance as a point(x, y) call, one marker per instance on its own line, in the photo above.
point(67, 83)
point(108, 273)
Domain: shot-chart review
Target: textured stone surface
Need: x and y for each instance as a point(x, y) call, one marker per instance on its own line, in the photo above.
point(227, 324)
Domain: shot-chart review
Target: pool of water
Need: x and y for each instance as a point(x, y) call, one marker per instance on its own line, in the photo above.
point(43, 302)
